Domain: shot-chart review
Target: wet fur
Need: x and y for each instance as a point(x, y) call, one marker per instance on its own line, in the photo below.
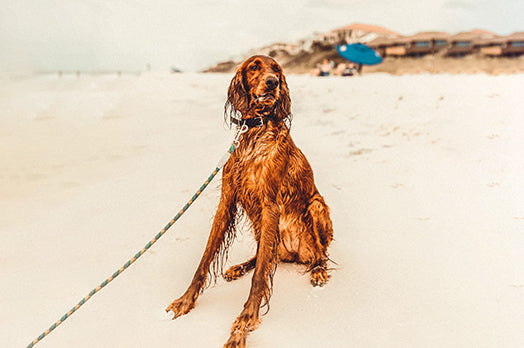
point(269, 181)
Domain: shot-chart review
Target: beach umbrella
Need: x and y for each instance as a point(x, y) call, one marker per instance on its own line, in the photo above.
point(359, 53)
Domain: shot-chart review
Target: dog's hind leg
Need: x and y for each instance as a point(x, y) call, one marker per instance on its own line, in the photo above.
point(322, 233)
point(237, 271)
point(319, 275)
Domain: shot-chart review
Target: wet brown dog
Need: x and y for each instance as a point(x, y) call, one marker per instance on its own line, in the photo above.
point(269, 180)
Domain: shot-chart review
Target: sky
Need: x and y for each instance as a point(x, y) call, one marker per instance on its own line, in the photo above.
point(91, 35)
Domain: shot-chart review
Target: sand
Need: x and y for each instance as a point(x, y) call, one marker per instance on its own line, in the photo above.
point(423, 174)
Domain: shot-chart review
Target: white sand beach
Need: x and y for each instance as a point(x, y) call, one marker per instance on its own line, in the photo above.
point(423, 175)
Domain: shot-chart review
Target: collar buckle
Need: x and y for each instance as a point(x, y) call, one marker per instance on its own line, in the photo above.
point(250, 122)
point(256, 122)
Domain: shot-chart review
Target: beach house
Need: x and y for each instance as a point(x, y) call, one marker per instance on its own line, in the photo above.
point(468, 42)
point(511, 45)
point(416, 45)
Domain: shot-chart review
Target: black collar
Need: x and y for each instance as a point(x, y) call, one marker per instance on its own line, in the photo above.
point(249, 122)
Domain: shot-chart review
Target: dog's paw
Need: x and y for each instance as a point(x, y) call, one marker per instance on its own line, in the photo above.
point(247, 321)
point(234, 272)
point(181, 306)
point(319, 276)
point(236, 341)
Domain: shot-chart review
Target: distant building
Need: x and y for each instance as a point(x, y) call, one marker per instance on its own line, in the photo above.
point(511, 45)
point(422, 44)
point(388, 46)
point(459, 45)
point(468, 42)
point(416, 45)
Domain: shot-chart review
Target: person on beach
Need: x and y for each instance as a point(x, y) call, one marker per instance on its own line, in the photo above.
point(325, 68)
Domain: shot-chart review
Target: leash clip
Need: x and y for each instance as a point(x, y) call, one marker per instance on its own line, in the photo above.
point(235, 144)
point(241, 131)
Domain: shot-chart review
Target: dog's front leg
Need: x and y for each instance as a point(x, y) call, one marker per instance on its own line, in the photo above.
point(248, 320)
point(222, 224)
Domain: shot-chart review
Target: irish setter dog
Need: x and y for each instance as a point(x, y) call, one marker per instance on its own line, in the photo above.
point(268, 180)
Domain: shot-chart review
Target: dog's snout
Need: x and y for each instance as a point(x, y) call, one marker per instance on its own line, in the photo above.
point(271, 82)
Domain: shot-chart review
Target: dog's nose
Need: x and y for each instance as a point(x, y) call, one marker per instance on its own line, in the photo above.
point(271, 82)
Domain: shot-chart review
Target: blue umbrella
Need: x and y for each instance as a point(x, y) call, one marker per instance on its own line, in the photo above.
point(360, 54)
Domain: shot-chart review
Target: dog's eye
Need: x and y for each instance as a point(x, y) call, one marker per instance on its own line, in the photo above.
point(253, 67)
point(276, 69)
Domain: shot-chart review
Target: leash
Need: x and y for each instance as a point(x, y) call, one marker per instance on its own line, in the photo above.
point(219, 166)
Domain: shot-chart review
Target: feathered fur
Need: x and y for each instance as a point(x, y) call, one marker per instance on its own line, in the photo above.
point(269, 180)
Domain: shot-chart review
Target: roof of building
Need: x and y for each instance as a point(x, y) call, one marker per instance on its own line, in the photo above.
point(473, 35)
point(518, 36)
point(385, 41)
point(426, 36)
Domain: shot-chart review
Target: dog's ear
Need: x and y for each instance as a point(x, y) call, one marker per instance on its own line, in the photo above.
point(283, 107)
point(237, 96)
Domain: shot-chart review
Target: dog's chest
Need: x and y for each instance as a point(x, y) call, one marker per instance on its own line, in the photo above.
point(253, 162)
point(257, 161)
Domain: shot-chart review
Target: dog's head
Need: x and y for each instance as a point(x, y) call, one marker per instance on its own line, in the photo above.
point(258, 88)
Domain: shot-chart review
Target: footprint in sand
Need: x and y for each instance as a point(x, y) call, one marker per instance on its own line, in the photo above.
point(398, 100)
point(338, 188)
point(360, 152)
point(494, 184)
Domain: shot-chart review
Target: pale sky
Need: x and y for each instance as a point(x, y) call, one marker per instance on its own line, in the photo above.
point(127, 35)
